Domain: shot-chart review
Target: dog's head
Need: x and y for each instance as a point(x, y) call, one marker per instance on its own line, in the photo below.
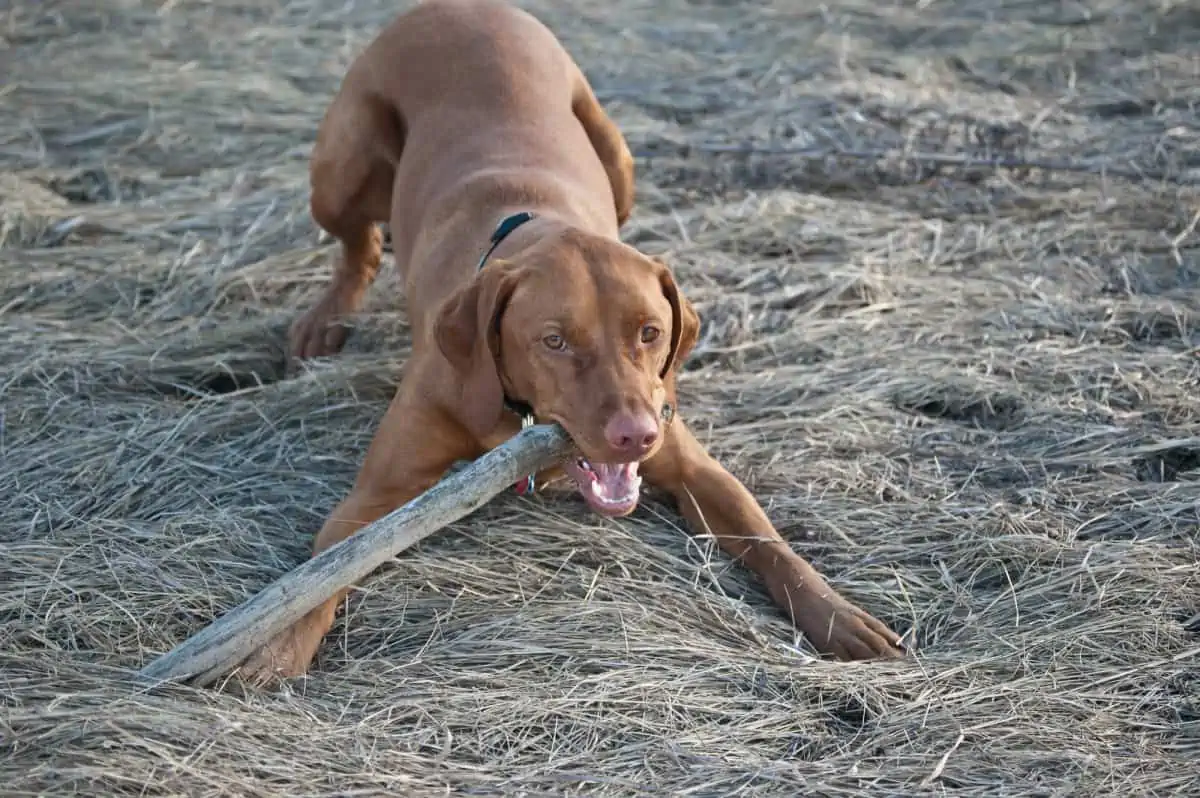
point(588, 332)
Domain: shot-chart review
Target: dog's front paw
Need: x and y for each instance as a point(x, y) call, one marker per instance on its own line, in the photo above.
point(287, 656)
point(837, 627)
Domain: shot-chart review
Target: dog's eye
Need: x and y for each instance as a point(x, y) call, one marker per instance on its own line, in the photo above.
point(650, 334)
point(555, 342)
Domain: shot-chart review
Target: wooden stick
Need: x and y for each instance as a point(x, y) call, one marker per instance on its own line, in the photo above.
point(228, 641)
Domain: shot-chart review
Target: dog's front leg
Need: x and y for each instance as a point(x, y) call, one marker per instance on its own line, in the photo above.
point(413, 448)
point(716, 503)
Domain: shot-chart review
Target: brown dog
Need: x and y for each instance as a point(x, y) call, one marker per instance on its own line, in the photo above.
point(467, 119)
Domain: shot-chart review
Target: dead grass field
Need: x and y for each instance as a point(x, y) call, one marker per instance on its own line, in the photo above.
point(970, 395)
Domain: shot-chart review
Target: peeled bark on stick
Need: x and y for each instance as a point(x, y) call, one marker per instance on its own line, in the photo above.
point(228, 641)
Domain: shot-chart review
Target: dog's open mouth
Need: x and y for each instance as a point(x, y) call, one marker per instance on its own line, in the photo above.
point(608, 488)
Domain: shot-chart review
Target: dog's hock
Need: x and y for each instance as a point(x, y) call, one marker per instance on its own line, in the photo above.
point(228, 641)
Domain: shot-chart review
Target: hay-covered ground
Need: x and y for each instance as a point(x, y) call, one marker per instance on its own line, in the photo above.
point(970, 395)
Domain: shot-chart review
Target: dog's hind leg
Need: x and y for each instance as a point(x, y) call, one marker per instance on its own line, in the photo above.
point(609, 144)
point(350, 174)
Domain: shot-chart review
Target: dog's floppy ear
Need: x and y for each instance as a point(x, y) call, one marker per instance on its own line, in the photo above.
point(467, 331)
point(685, 324)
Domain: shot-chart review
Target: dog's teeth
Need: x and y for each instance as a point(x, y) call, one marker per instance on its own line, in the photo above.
point(637, 484)
point(596, 491)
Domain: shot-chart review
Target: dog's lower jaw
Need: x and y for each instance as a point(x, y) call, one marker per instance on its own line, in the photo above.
point(610, 510)
point(611, 490)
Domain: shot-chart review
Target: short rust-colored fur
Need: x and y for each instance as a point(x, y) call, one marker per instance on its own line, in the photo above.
point(458, 114)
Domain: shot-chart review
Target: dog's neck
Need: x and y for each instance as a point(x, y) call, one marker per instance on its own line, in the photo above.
point(507, 225)
point(515, 406)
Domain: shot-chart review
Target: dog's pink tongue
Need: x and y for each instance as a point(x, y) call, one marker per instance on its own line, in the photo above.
point(616, 482)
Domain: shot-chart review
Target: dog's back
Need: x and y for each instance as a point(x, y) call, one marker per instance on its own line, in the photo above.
point(473, 106)
point(458, 113)
point(482, 55)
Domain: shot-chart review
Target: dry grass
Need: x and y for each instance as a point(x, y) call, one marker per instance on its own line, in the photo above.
point(971, 396)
